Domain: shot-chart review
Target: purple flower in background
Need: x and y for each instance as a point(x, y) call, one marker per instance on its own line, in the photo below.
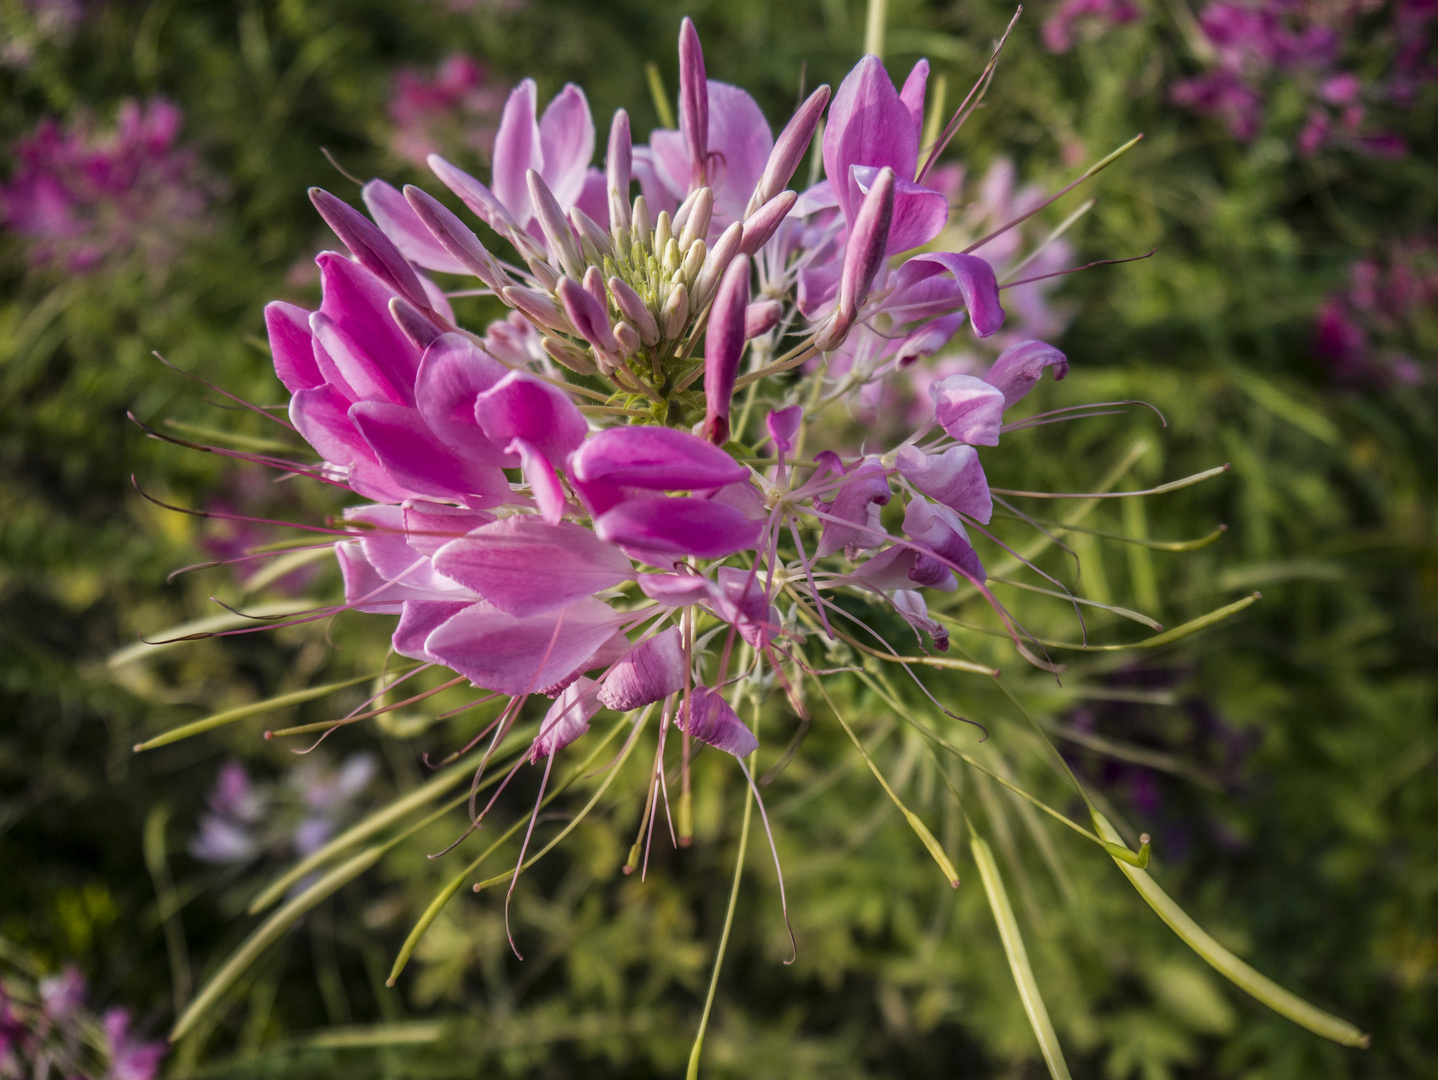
point(247, 820)
point(84, 199)
point(1073, 19)
point(455, 110)
point(1383, 326)
point(35, 23)
point(1259, 49)
point(47, 1030)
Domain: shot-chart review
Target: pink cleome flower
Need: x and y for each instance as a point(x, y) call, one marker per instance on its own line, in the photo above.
point(455, 109)
point(84, 199)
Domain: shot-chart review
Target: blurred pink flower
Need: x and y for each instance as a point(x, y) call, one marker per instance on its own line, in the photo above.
point(1383, 327)
point(1089, 18)
point(85, 199)
point(455, 109)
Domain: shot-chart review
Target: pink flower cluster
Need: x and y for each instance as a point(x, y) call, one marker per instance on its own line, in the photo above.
point(1384, 326)
point(455, 109)
point(1260, 47)
point(1073, 19)
point(49, 1032)
point(552, 510)
point(83, 199)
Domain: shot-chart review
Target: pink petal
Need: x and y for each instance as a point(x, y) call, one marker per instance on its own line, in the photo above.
point(976, 282)
point(651, 672)
point(868, 125)
point(526, 566)
point(662, 459)
point(865, 490)
point(292, 346)
point(544, 483)
point(968, 408)
point(429, 526)
point(522, 654)
point(372, 353)
point(1019, 367)
point(420, 463)
point(707, 717)
point(915, 612)
point(322, 418)
point(566, 139)
point(955, 478)
point(783, 426)
point(452, 374)
point(419, 619)
point(676, 590)
point(912, 95)
point(740, 136)
point(517, 149)
point(398, 221)
point(939, 529)
point(521, 406)
point(567, 719)
point(665, 530)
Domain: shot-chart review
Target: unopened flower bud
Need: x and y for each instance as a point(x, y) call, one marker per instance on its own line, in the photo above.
point(538, 306)
point(761, 316)
point(371, 248)
point(723, 348)
point(868, 244)
point(717, 261)
point(760, 225)
point(634, 309)
point(641, 229)
point(693, 260)
point(832, 333)
point(592, 238)
point(413, 323)
point(484, 203)
point(576, 360)
point(672, 259)
point(695, 225)
point(675, 313)
point(663, 232)
point(593, 283)
point(555, 227)
point(456, 238)
point(618, 164)
point(693, 102)
point(587, 314)
point(544, 275)
point(627, 337)
point(789, 149)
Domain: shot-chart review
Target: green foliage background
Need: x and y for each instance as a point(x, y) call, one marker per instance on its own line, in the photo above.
point(1315, 856)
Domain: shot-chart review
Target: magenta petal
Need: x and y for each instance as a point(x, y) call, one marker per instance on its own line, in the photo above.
point(1019, 367)
point(384, 542)
point(520, 406)
point(662, 459)
point(429, 526)
point(868, 125)
point(371, 248)
point(783, 426)
point(724, 347)
point(452, 375)
point(522, 654)
point(517, 149)
point(418, 620)
point(706, 716)
point(939, 529)
point(865, 490)
point(739, 146)
point(544, 483)
point(365, 343)
point(890, 569)
point(293, 346)
point(398, 221)
point(976, 282)
point(651, 672)
point(668, 529)
point(322, 418)
point(968, 408)
point(567, 719)
point(912, 95)
point(741, 598)
point(955, 478)
point(920, 213)
point(369, 590)
point(566, 140)
point(676, 590)
point(419, 462)
point(526, 566)
point(928, 339)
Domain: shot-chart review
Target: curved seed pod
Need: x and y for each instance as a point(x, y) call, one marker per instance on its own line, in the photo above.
point(789, 149)
point(760, 225)
point(456, 238)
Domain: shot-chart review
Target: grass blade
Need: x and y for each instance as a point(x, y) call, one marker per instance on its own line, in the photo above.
point(1019, 959)
point(244, 712)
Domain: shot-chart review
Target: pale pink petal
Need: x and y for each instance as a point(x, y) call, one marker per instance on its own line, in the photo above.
point(663, 459)
point(420, 463)
point(651, 672)
point(567, 719)
point(566, 138)
point(968, 408)
point(522, 654)
point(868, 125)
point(955, 478)
point(544, 483)
point(706, 716)
point(520, 406)
point(452, 374)
point(1019, 367)
point(526, 566)
point(517, 149)
point(664, 530)
point(912, 95)
point(398, 221)
point(292, 346)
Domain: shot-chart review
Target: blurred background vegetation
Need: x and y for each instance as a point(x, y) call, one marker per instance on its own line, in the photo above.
point(1284, 762)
